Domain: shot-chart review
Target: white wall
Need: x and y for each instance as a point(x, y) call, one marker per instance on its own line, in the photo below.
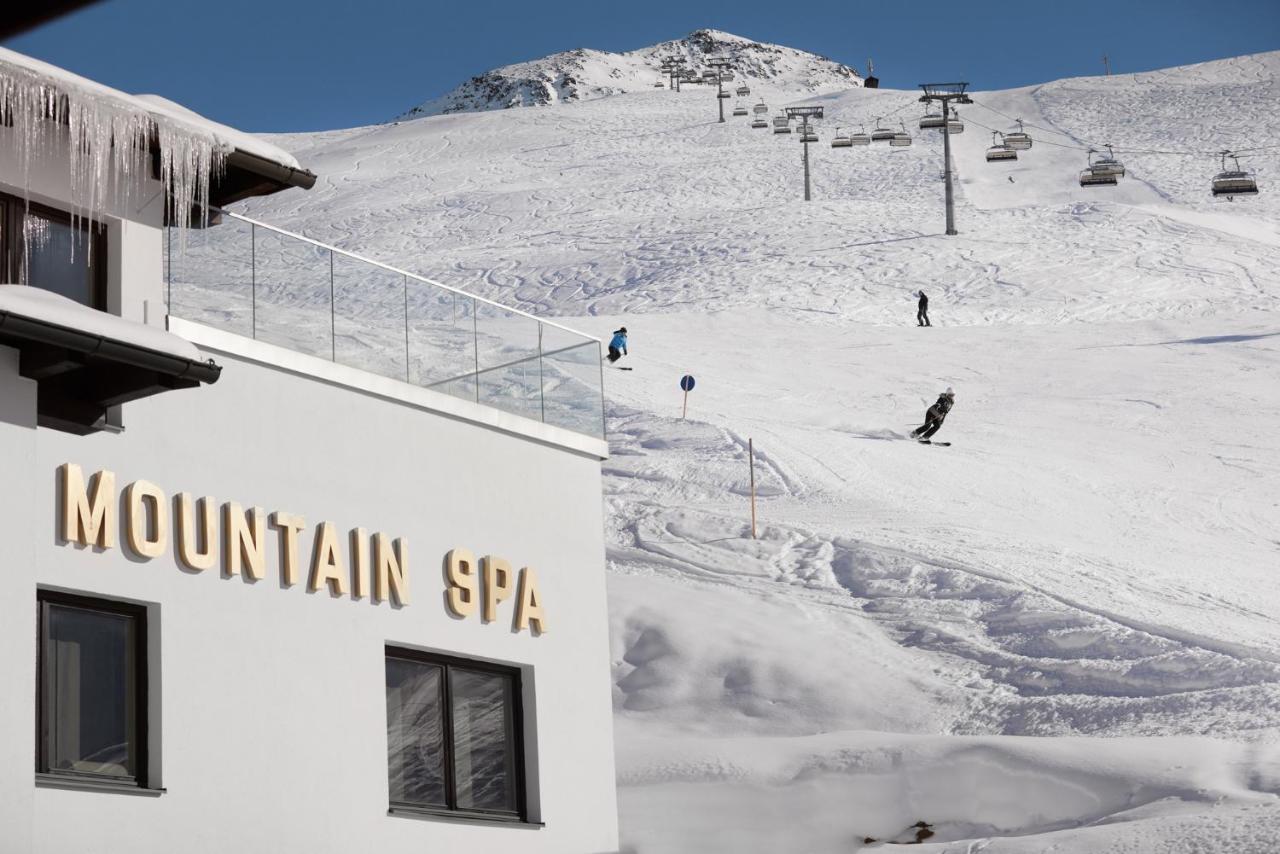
point(134, 221)
point(272, 698)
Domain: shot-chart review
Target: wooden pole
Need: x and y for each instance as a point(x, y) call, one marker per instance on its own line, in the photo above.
point(751, 454)
point(685, 407)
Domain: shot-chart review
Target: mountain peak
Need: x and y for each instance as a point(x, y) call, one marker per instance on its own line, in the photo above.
point(584, 73)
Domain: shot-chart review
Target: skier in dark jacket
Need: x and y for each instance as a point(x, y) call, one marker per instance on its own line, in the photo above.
point(922, 313)
point(935, 416)
point(618, 346)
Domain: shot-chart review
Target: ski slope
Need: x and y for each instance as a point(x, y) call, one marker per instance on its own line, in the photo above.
point(1058, 634)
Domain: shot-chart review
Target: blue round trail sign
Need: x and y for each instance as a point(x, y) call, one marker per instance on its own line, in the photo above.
point(686, 382)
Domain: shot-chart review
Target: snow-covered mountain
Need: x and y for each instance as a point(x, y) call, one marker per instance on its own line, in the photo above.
point(581, 74)
point(1060, 633)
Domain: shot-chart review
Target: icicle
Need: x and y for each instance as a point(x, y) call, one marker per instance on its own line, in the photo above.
point(108, 146)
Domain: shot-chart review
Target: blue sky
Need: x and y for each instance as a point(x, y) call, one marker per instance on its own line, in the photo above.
point(286, 65)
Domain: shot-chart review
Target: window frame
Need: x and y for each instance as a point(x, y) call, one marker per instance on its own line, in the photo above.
point(141, 731)
point(12, 211)
point(446, 663)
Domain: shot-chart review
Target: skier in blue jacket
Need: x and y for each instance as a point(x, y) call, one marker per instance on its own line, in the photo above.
point(618, 346)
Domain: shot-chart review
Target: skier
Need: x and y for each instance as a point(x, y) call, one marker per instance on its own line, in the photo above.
point(618, 346)
point(935, 416)
point(922, 313)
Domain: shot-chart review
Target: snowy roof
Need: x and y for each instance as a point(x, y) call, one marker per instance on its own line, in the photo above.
point(39, 304)
point(151, 104)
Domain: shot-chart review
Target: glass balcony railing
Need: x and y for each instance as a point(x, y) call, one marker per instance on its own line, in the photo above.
point(264, 283)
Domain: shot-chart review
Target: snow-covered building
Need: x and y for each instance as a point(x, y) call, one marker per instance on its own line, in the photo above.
point(265, 589)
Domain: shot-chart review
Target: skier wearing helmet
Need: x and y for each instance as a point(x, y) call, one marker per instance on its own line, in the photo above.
point(618, 346)
point(935, 416)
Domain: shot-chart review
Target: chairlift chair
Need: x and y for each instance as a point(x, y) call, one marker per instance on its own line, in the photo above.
point(932, 121)
point(954, 125)
point(743, 91)
point(1105, 165)
point(881, 134)
point(658, 84)
point(807, 133)
point(739, 110)
point(1089, 178)
point(759, 123)
point(724, 94)
point(1019, 140)
point(781, 124)
point(1233, 182)
point(902, 138)
point(841, 140)
point(760, 109)
point(999, 151)
point(861, 137)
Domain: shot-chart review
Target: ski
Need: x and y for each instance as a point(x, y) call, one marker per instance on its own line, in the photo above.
point(931, 442)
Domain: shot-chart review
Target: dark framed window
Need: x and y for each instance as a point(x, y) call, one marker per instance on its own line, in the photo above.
point(46, 248)
point(92, 690)
point(454, 736)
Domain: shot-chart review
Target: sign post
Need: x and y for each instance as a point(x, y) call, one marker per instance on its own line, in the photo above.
point(686, 383)
point(751, 454)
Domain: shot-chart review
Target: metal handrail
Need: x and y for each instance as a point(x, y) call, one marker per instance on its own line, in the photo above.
point(410, 275)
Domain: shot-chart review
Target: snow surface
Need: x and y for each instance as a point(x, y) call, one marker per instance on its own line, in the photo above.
point(1059, 634)
point(582, 74)
point(39, 304)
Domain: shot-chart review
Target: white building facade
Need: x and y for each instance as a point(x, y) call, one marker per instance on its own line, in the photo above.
point(299, 598)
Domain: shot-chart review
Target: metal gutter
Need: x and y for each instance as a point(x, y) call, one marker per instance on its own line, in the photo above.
point(270, 169)
point(108, 349)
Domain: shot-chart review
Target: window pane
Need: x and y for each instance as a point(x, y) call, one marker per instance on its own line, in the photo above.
point(483, 740)
point(415, 733)
point(89, 714)
point(57, 258)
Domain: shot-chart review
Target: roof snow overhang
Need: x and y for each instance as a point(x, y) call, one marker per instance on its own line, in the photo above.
point(82, 369)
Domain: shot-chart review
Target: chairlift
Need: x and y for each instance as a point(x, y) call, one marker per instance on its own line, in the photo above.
point(657, 84)
point(841, 140)
point(954, 125)
point(781, 124)
point(1105, 165)
point(743, 91)
point(932, 121)
point(998, 150)
point(724, 95)
point(881, 134)
point(739, 110)
point(860, 138)
point(1019, 140)
point(807, 133)
point(1089, 178)
point(759, 123)
point(760, 109)
point(902, 138)
point(1233, 182)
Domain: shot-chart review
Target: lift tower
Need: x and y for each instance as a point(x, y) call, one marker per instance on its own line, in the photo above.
point(719, 63)
point(804, 114)
point(946, 94)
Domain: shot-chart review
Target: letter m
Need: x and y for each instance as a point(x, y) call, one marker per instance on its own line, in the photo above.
point(88, 515)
